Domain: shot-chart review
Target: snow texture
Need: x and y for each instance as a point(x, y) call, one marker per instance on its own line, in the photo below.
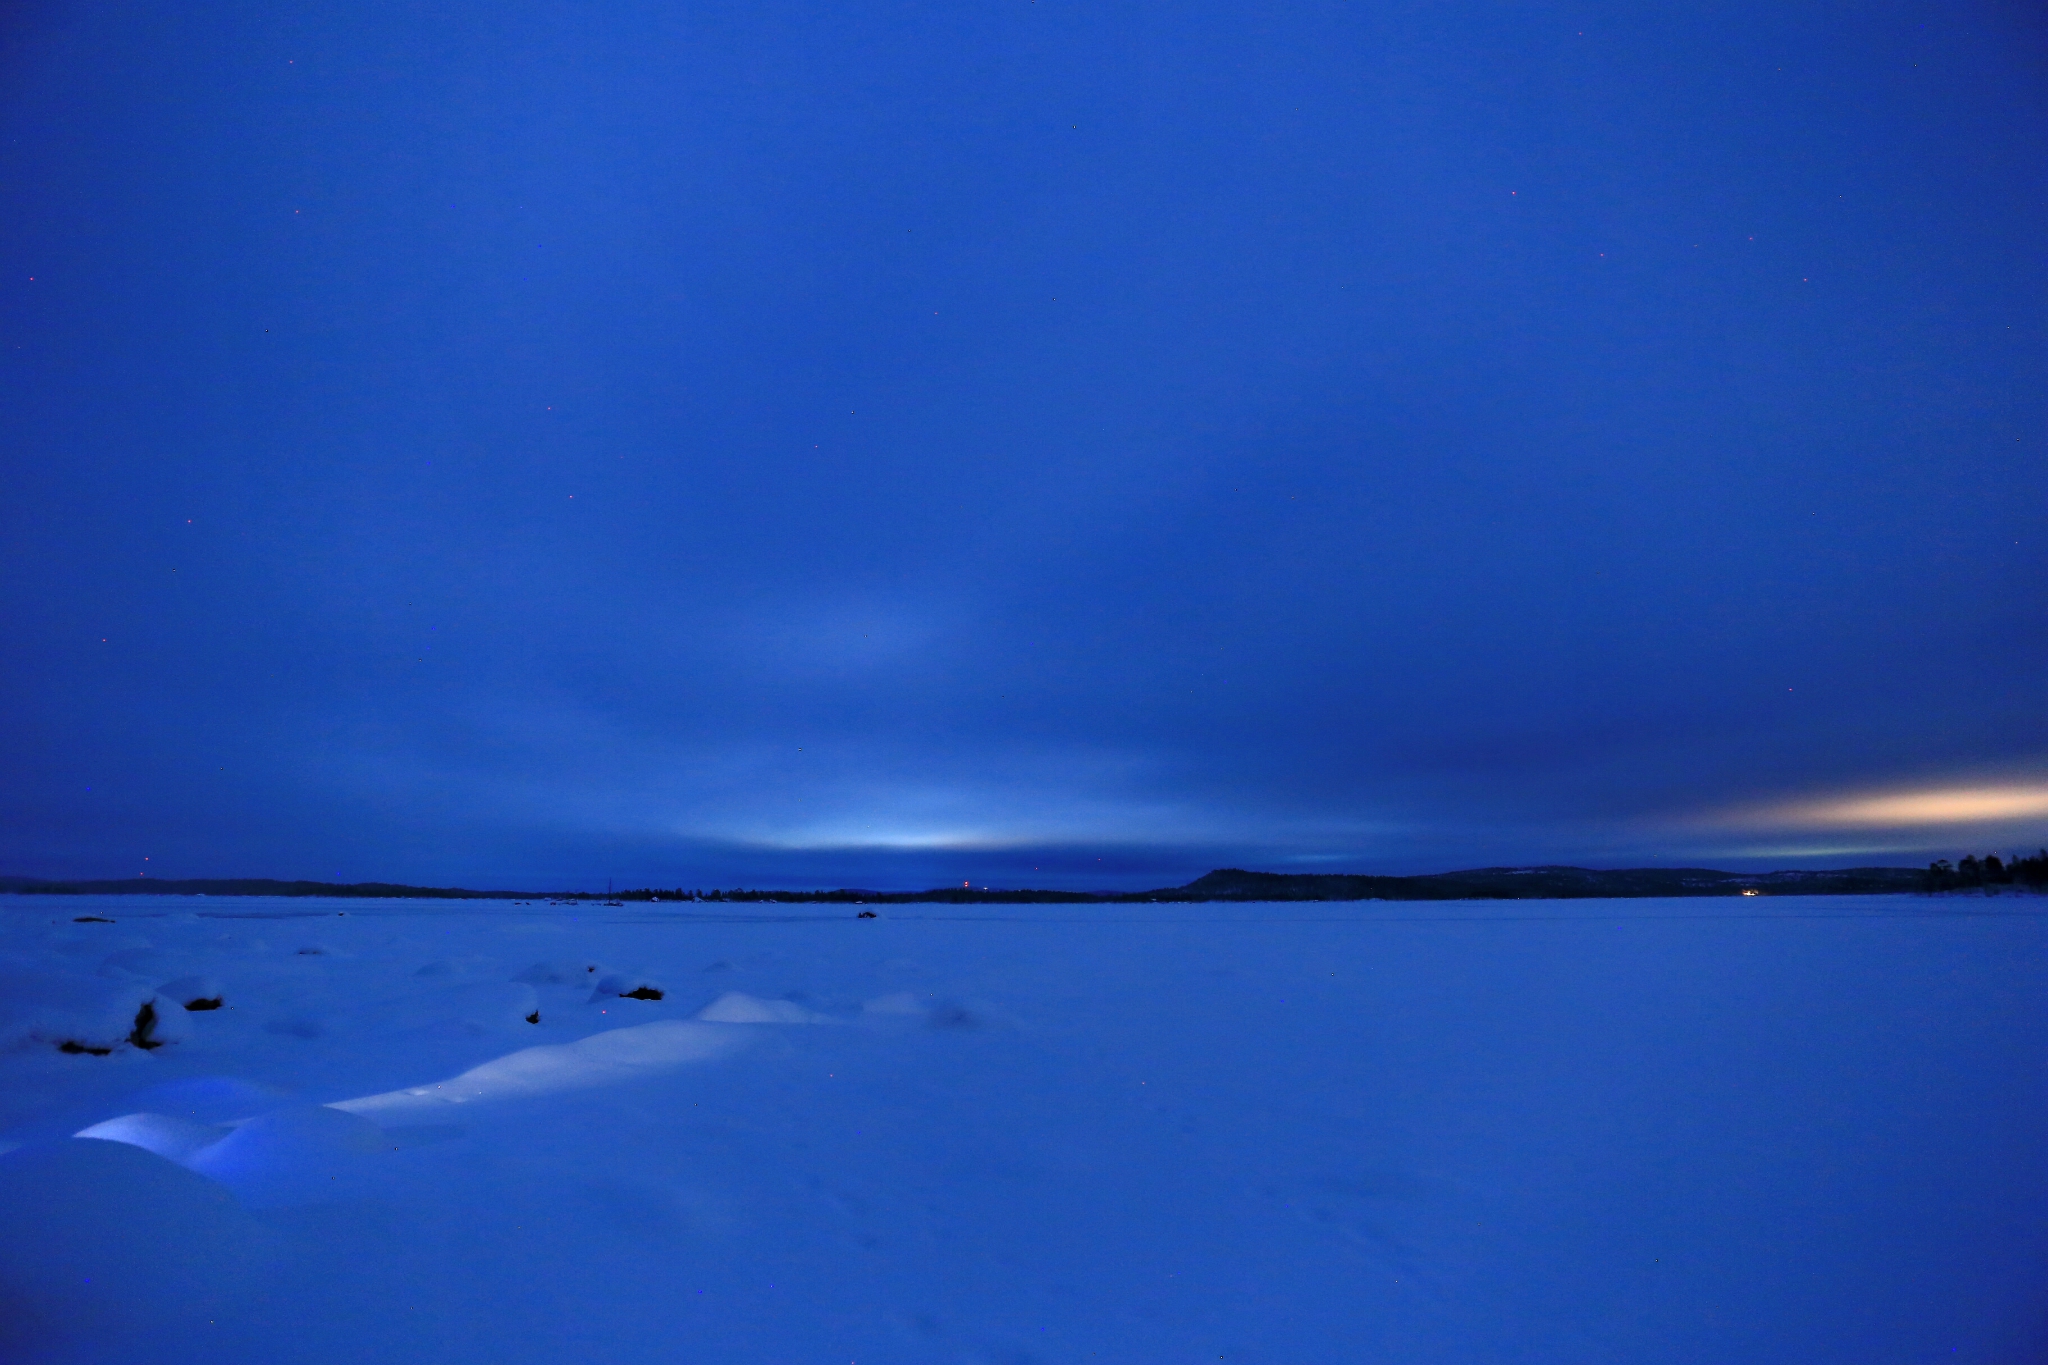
point(1516, 1132)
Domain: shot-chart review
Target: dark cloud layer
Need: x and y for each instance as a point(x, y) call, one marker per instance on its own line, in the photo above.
point(695, 444)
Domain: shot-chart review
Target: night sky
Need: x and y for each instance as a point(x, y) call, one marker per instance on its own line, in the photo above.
point(1051, 443)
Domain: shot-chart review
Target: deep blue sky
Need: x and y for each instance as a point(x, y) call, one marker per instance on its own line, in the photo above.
point(1048, 443)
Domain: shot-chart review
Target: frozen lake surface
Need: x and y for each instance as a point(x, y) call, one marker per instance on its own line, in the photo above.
point(1785, 1129)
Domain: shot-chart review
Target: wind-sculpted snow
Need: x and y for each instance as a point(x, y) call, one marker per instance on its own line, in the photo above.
point(301, 1154)
point(173, 1138)
point(601, 1059)
point(1673, 1131)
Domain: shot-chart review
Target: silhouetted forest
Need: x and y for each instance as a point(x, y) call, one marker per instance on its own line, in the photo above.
point(1990, 870)
point(1224, 884)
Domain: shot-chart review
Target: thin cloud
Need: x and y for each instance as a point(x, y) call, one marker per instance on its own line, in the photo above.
point(1904, 808)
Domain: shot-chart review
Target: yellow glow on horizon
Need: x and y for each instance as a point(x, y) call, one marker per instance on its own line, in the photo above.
point(1937, 806)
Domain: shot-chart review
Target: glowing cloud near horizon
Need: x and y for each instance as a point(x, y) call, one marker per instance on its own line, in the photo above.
point(1930, 806)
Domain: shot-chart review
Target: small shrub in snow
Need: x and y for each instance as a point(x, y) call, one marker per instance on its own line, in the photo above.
point(143, 1035)
point(193, 992)
point(627, 986)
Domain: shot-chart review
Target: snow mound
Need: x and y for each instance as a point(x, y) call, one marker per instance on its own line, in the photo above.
point(108, 1251)
point(737, 1007)
point(494, 1006)
point(628, 986)
point(601, 1059)
point(298, 1155)
point(930, 1011)
point(951, 1014)
point(462, 967)
point(85, 1014)
point(211, 1099)
point(142, 961)
point(562, 972)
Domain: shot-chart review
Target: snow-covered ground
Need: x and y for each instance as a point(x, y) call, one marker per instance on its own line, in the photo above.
point(1809, 1130)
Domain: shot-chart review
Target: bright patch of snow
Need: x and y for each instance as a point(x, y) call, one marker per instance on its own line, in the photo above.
point(601, 1059)
point(170, 1137)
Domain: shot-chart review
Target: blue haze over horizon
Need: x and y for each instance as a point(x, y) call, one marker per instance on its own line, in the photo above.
point(1036, 443)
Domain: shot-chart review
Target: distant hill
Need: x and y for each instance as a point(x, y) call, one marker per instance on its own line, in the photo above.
point(1224, 884)
point(1544, 883)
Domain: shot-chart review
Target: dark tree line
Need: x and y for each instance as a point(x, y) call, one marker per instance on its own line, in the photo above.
point(942, 895)
point(1990, 870)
